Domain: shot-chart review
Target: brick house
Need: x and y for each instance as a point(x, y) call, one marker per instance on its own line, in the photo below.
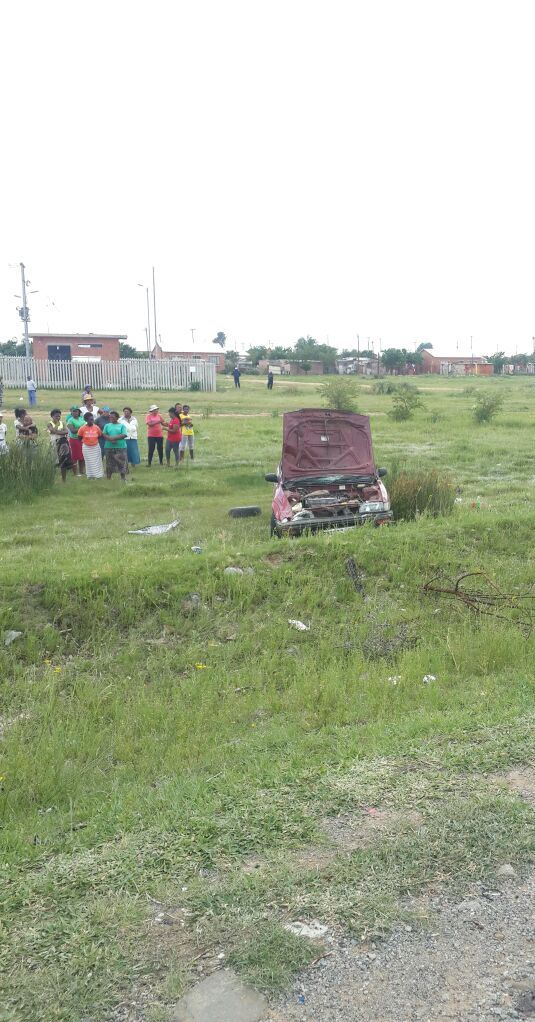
point(456, 365)
point(77, 347)
point(216, 358)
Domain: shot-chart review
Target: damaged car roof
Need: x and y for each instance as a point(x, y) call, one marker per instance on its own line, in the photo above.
point(317, 441)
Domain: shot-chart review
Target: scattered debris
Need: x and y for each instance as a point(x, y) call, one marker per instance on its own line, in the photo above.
point(11, 636)
point(313, 930)
point(233, 571)
point(395, 679)
point(299, 626)
point(154, 530)
point(196, 549)
point(485, 601)
point(191, 604)
point(245, 512)
point(428, 678)
point(385, 640)
point(355, 574)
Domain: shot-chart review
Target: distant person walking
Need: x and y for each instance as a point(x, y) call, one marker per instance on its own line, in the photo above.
point(130, 423)
point(74, 421)
point(3, 431)
point(270, 380)
point(236, 374)
point(115, 447)
point(31, 387)
point(155, 424)
point(89, 435)
point(174, 436)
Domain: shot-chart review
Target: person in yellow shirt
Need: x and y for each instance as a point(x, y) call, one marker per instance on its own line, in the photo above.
point(188, 433)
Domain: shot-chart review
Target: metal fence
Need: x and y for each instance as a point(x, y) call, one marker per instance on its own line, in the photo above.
point(127, 374)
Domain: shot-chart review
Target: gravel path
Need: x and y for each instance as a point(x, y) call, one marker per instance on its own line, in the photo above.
point(472, 962)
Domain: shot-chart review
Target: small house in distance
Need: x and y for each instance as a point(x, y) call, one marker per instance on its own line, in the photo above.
point(77, 347)
point(215, 357)
point(456, 365)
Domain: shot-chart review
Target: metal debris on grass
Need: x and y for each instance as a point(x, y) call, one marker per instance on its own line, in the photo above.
point(299, 626)
point(490, 600)
point(154, 530)
point(11, 636)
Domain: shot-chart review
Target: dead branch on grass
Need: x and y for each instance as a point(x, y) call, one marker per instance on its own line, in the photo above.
point(505, 606)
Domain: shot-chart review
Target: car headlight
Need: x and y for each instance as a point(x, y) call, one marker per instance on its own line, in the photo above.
point(369, 507)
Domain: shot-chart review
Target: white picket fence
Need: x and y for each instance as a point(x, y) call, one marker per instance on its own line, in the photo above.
point(127, 374)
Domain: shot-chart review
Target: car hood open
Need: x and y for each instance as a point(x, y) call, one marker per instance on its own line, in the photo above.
point(320, 442)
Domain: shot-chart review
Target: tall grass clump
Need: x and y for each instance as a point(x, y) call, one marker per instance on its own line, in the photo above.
point(487, 406)
point(384, 387)
point(420, 491)
point(26, 470)
point(404, 402)
point(340, 394)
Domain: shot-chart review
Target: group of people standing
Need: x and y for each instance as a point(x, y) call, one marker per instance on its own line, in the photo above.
point(93, 441)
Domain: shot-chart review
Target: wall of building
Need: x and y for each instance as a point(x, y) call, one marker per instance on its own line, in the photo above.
point(105, 348)
point(215, 358)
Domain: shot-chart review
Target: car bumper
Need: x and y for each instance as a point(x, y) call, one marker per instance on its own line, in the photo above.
point(294, 527)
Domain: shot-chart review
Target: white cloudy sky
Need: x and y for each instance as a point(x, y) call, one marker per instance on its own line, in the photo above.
point(289, 167)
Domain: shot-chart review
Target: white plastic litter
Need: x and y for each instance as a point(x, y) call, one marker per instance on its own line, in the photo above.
point(233, 571)
point(428, 678)
point(10, 637)
point(154, 530)
point(299, 626)
point(312, 930)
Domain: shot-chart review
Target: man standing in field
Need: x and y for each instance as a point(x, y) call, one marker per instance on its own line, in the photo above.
point(270, 380)
point(236, 374)
point(31, 387)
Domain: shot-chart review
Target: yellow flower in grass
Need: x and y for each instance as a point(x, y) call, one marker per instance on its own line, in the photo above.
point(201, 667)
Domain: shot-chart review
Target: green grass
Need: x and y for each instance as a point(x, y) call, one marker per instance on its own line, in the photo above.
point(133, 776)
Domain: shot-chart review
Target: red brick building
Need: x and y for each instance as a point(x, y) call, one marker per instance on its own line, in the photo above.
point(216, 358)
point(77, 347)
point(462, 365)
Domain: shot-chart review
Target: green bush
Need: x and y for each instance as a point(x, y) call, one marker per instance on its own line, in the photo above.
point(420, 491)
point(195, 385)
point(406, 399)
point(340, 393)
point(26, 470)
point(487, 406)
point(384, 387)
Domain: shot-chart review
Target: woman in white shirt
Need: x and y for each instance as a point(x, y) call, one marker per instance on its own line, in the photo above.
point(129, 422)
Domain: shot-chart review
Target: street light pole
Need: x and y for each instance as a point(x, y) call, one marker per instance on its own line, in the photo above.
point(193, 329)
point(154, 303)
point(24, 312)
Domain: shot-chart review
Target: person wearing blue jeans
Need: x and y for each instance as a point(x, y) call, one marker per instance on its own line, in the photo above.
point(31, 387)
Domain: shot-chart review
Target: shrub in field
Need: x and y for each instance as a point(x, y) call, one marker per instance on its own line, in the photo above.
point(422, 490)
point(384, 387)
point(195, 385)
point(26, 470)
point(406, 399)
point(340, 393)
point(487, 406)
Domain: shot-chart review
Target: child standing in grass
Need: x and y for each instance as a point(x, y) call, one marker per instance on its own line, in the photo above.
point(188, 434)
point(3, 431)
point(174, 436)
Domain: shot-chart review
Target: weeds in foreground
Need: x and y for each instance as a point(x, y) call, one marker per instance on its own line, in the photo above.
point(404, 403)
point(26, 471)
point(422, 491)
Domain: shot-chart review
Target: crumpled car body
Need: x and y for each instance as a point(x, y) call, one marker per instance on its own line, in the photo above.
point(327, 477)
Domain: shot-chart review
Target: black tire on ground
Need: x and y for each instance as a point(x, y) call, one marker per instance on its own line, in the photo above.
point(245, 512)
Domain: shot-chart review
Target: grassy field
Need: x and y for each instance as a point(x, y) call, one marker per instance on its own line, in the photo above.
point(170, 766)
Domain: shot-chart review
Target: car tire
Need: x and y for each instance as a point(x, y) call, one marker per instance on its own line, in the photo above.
point(245, 512)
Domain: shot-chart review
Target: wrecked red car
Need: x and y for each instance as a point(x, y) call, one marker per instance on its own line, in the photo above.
point(327, 478)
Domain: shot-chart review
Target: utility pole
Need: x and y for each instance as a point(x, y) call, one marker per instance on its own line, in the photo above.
point(193, 329)
point(154, 304)
point(147, 331)
point(472, 354)
point(24, 311)
point(358, 354)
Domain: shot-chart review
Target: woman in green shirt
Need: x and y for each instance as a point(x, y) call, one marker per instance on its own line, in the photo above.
point(73, 423)
point(115, 447)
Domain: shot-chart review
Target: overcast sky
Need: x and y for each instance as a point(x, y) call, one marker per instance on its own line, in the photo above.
point(289, 167)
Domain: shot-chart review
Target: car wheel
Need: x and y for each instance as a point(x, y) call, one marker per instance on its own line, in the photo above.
point(245, 512)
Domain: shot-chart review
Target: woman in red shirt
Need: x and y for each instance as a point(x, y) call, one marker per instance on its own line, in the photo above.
point(174, 436)
point(155, 423)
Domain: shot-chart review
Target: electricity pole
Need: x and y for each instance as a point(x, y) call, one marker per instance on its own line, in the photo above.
point(154, 304)
point(193, 329)
point(24, 311)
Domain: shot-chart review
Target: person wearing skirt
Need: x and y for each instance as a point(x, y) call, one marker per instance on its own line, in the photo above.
point(89, 435)
point(130, 423)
